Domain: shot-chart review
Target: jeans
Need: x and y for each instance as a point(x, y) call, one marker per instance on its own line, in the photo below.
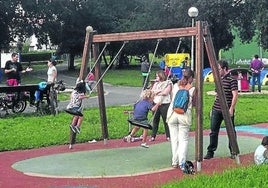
point(162, 110)
point(215, 124)
point(258, 77)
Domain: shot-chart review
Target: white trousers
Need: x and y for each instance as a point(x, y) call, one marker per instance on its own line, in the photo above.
point(179, 125)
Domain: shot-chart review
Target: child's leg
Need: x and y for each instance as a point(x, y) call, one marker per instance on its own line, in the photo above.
point(79, 121)
point(78, 124)
point(72, 138)
point(73, 131)
point(134, 130)
point(75, 120)
point(144, 135)
point(129, 138)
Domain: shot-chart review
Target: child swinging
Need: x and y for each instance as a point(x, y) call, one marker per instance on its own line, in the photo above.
point(75, 108)
point(141, 109)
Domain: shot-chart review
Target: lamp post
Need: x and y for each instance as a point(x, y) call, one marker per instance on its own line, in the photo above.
point(260, 46)
point(19, 46)
point(193, 13)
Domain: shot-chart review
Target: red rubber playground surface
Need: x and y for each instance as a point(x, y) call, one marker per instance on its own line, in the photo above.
point(11, 177)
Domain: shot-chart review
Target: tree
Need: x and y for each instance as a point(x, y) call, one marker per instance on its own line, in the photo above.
point(262, 21)
point(7, 15)
point(63, 22)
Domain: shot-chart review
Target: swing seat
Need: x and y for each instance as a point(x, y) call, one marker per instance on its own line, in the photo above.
point(73, 112)
point(140, 124)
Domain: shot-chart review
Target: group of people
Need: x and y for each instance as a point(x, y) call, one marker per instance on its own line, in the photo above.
point(177, 125)
point(13, 70)
point(159, 98)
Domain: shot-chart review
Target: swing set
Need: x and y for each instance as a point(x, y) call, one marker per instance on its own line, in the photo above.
point(202, 38)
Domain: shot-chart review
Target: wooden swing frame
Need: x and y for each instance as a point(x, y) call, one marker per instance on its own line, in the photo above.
point(203, 38)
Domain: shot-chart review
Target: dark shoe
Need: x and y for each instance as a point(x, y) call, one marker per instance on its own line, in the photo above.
point(208, 156)
point(232, 156)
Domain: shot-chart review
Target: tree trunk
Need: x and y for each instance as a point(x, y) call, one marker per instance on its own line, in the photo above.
point(71, 62)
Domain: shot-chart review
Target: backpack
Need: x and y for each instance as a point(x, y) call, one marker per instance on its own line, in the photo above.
point(181, 100)
point(189, 168)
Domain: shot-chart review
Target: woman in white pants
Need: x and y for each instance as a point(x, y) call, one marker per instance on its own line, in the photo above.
point(179, 124)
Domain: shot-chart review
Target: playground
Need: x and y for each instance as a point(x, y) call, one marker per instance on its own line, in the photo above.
point(115, 163)
point(118, 163)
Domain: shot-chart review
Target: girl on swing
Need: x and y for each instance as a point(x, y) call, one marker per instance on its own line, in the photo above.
point(141, 109)
point(75, 108)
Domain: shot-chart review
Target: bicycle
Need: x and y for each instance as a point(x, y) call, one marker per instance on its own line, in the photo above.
point(12, 102)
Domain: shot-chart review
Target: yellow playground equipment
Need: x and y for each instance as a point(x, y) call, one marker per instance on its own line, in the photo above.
point(175, 60)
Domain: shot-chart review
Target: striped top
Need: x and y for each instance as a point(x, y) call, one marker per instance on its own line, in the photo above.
point(229, 85)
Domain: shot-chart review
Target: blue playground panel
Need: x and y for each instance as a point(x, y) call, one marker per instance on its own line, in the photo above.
point(206, 71)
point(251, 129)
point(162, 65)
point(177, 71)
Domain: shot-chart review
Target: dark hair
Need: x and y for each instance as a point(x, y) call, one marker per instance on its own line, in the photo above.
point(14, 54)
point(80, 87)
point(223, 64)
point(186, 75)
point(264, 141)
point(53, 62)
point(256, 56)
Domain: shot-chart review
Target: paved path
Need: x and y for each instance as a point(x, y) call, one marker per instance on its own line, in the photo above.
point(114, 95)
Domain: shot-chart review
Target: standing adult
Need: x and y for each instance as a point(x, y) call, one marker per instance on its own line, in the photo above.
point(256, 66)
point(162, 89)
point(179, 124)
point(145, 71)
point(13, 70)
point(52, 71)
point(231, 93)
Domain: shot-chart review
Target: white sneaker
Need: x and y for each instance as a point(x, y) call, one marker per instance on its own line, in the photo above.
point(144, 145)
point(70, 146)
point(128, 138)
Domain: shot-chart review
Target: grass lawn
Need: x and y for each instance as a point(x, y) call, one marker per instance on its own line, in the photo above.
point(243, 50)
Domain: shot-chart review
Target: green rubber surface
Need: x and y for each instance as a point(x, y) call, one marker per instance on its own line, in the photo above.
point(119, 161)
